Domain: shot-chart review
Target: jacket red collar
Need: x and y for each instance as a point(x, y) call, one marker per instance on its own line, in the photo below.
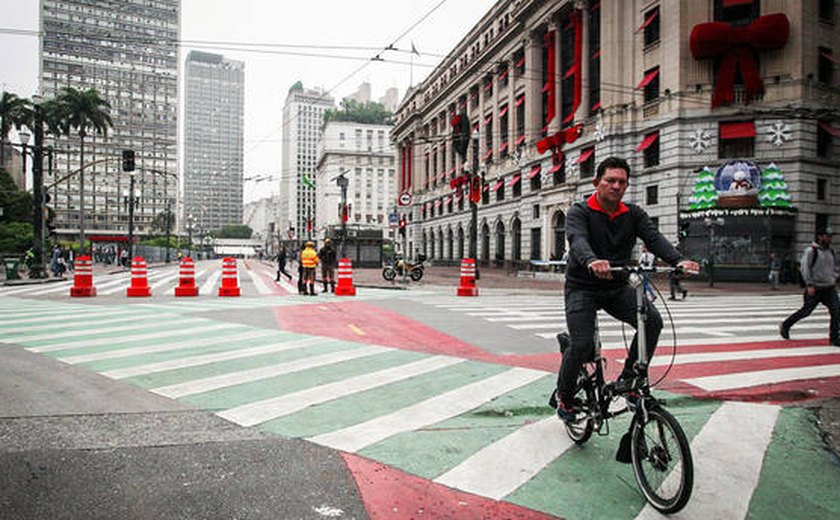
point(593, 204)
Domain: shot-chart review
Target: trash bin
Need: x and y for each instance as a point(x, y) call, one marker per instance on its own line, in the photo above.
point(12, 268)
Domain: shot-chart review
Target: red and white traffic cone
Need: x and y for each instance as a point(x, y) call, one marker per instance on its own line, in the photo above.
point(230, 280)
point(139, 279)
point(186, 278)
point(467, 287)
point(345, 278)
point(83, 278)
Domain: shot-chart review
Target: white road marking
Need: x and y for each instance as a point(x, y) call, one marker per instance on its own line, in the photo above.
point(210, 283)
point(762, 377)
point(707, 357)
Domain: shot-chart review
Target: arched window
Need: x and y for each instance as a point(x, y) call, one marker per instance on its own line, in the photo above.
point(558, 229)
point(460, 242)
point(440, 244)
point(432, 243)
point(516, 239)
point(449, 246)
point(485, 244)
point(500, 244)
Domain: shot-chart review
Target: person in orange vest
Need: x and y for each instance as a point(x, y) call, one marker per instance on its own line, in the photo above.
point(309, 261)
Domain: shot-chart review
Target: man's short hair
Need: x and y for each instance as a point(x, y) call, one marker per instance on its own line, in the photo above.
point(611, 162)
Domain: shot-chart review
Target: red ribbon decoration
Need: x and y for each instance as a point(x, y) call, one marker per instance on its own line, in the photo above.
point(735, 46)
point(556, 141)
point(550, 71)
point(577, 25)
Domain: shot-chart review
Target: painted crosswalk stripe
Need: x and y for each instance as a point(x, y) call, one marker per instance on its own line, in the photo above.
point(259, 412)
point(86, 341)
point(206, 359)
point(170, 346)
point(87, 316)
point(427, 412)
point(725, 479)
point(762, 377)
point(259, 284)
point(210, 283)
point(708, 357)
point(94, 329)
point(257, 374)
point(500, 468)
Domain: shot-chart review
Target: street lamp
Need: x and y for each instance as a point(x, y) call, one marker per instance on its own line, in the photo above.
point(132, 201)
point(190, 227)
point(474, 203)
point(343, 182)
point(37, 269)
point(24, 135)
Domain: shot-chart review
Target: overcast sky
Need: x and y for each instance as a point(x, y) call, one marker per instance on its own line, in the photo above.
point(222, 26)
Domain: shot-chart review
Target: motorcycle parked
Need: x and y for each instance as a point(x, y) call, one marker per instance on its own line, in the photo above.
point(414, 271)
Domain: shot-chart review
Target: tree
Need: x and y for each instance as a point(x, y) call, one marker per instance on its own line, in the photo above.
point(83, 110)
point(162, 221)
point(774, 189)
point(234, 231)
point(370, 113)
point(705, 195)
point(11, 112)
point(16, 221)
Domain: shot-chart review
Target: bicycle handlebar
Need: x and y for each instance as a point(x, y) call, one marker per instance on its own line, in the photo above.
point(649, 270)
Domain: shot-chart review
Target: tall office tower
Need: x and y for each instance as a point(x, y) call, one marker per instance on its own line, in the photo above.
point(128, 51)
point(303, 115)
point(213, 141)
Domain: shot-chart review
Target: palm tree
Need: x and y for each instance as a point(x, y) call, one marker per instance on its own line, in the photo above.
point(83, 110)
point(12, 109)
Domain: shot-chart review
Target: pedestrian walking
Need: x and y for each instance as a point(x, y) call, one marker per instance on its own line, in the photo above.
point(281, 264)
point(646, 259)
point(819, 273)
point(327, 257)
point(775, 269)
point(309, 262)
point(675, 281)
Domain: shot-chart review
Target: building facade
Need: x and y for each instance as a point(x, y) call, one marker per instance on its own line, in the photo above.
point(128, 51)
point(303, 115)
point(552, 88)
point(366, 157)
point(214, 129)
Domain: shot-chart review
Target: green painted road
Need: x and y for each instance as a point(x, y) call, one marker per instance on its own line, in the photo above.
point(478, 427)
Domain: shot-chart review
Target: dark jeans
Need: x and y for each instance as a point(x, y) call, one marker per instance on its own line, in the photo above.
point(828, 297)
point(581, 310)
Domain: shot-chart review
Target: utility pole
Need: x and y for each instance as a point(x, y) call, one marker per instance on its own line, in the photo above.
point(168, 225)
point(37, 270)
point(342, 182)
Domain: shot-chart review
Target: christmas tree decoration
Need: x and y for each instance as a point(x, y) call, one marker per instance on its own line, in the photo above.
point(774, 190)
point(705, 194)
point(699, 140)
point(778, 133)
point(600, 131)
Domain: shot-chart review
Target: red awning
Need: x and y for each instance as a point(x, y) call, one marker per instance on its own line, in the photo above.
point(596, 106)
point(459, 196)
point(488, 154)
point(647, 141)
point(498, 185)
point(737, 130)
point(825, 125)
point(503, 110)
point(534, 172)
point(585, 155)
point(520, 100)
point(448, 200)
point(829, 56)
point(503, 75)
point(521, 62)
point(546, 87)
point(441, 176)
point(651, 18)
point(520, 140)
point(451, 171)
point(514, 179)
point(650, 76)
point(488, 119)
point(733, 3)
point(488, 86)
point(597, 54)
point(438, 203)
point(555, 168)
point(503, 147)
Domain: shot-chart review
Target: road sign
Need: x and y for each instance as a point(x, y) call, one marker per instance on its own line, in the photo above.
point(393, 219)
point(405, 198)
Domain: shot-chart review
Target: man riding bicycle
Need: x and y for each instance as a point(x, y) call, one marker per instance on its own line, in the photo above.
point(602, 232)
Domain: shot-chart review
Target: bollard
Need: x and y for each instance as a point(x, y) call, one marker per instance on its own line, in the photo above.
point(467, 287)
point(230, 280)
point(345, 278)
point(139, 279)
point(186, 278)
point(83, 278)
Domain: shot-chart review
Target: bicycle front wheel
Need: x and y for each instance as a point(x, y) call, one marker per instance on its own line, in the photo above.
point(662, 460)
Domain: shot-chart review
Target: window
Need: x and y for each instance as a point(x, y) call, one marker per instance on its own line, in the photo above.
point(504, 78)
point(827, 8)
point(652, 195)
point(503, 130)
point(595, 58)
point(519, 62)
point(736, 140)
point(822, 188)
point(650, 147)
point(651, 26)
point(825, 66)
point(823, 140)
point(500, 190)
point(737, 12)
point(536, 245)
point(651, 84)
point(535, 211)
point(587, 163)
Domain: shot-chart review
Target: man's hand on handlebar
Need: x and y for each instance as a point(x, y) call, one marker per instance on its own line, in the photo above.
point(689, 267)
point(601, 269)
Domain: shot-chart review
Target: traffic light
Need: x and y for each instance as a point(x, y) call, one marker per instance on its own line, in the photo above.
point(402, 226)
point(49, 221)
point(460, 134)
point(128, 160)
point(685, 226)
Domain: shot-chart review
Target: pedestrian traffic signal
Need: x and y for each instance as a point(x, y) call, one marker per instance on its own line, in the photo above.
point(685, 226)
point(402, 226)
point(128, 160)
point(49, 221)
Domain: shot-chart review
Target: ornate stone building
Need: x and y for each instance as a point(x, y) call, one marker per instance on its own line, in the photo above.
point(552, 88)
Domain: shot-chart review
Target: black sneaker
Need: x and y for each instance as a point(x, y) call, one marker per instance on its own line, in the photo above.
point(565, 412)
point(784, 332)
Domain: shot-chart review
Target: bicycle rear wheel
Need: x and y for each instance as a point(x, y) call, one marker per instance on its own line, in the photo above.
point(580, 430)
point(662, 460)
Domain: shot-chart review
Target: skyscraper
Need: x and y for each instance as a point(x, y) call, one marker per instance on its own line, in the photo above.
point(303, 115)
point(213, 140)
point(128, 51)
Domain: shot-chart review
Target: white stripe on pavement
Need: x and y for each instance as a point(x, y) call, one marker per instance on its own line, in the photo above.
point(259, 284)
point(256, 374)
point(268, 409)
point(95, 328)
point(500, 468)
point(206, 359)
point(196, 328)
point(430, 411)
point(211, 282)
point(725, 479)
point(237, 337)
point(92, 315)
point(762, 377)
point(665, 340)
point(706, 357)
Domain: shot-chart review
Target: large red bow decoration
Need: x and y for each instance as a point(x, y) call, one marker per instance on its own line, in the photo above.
point(556, 141)
point(735, 47)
